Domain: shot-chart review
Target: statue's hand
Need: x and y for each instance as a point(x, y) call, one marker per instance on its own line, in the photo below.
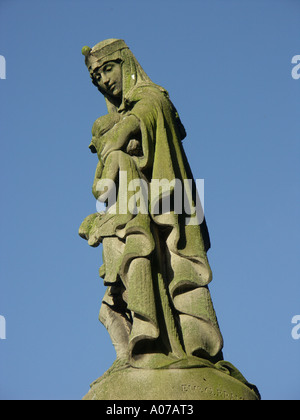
point(86, 226)
point(134, 148)
point(90, 229)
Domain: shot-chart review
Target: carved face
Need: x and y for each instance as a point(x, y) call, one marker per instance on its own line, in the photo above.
point(109, 79)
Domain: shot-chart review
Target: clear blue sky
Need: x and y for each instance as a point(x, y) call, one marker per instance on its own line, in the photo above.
point(227, 67)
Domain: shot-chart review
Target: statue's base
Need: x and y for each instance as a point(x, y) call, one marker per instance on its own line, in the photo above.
point(169, 384)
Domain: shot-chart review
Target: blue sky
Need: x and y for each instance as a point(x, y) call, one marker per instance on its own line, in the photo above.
point(227, 66)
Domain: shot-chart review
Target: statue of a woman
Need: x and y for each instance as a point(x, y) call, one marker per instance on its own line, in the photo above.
point(157, 307)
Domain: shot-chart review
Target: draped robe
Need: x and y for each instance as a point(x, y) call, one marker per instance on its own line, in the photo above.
point(159, 258)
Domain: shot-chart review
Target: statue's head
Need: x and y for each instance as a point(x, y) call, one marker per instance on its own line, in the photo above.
point(104, 62)
point(114, 70)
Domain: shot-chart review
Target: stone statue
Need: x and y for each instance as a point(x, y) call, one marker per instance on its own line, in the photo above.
point(157, 307)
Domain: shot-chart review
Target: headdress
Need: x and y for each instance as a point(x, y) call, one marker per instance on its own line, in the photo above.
point(109, 50)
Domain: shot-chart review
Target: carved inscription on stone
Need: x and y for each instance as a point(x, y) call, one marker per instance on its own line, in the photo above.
point(210, 391)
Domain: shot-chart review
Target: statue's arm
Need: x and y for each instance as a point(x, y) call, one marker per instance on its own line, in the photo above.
point(119, 136)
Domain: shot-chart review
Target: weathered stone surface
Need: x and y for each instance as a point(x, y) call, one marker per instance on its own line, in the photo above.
point(157, 307)
point(170, 384)
point(155, 260)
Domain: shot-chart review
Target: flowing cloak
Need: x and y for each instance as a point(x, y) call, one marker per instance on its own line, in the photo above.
point(174, 285)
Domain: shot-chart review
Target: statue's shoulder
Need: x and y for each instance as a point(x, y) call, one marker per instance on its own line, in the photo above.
point(149, 92)
point(153, 98)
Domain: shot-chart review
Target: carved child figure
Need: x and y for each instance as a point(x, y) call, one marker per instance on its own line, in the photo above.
point(100, 143)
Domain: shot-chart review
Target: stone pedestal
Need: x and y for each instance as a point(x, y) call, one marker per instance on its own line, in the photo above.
point(169, 384)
